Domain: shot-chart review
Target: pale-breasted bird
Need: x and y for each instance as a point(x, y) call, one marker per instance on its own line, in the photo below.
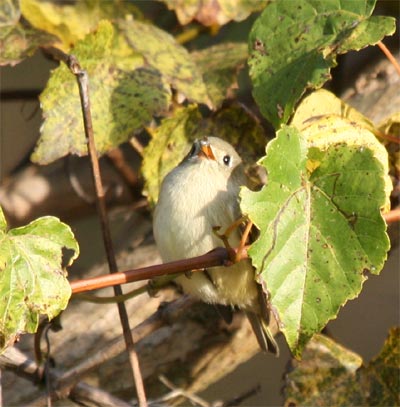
point(202, 193)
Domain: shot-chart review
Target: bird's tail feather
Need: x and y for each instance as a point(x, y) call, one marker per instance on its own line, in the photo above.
point(263, 334)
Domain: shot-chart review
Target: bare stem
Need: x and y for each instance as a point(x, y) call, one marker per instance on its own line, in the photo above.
point(83, 84)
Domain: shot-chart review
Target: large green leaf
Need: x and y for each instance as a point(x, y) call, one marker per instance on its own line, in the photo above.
point(124, 97)
point(321, 229)
point(32, 279)
point(331, 375)
point(293, 45)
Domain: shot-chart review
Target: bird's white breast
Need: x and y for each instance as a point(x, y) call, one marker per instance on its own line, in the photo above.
point(193, 200)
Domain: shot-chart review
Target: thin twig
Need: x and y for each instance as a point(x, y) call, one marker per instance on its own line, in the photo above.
point(68, 382)
point(137, 145)
point(118, 159)
point(47, 376)
point(151, 288)
point(83, 84)
point(85, 392)
point(386, 136)
point(243, 240)
point(239, 399)
point(389, 55)
point(160, 318)
point(101, 206)
point(179, 392)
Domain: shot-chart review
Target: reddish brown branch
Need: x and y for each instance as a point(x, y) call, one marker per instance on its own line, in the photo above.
point(216, 257)
point(387, 137)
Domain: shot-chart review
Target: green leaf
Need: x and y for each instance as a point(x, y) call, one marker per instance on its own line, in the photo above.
point(321, 229)
point(171, 59)
point(72, 22)
point(220, 65)
point(217, 12)
point(124, 97)
point(294, 45)
point(32, 280)
point(331, 375)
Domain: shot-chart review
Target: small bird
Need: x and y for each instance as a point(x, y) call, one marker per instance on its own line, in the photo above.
point(202, 193)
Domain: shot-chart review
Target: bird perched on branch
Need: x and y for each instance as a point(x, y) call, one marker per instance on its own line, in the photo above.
point(202, 193)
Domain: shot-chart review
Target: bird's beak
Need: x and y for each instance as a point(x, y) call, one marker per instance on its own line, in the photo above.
point(206, 150)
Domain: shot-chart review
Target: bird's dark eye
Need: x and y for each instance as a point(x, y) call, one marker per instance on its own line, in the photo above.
point(227, 159)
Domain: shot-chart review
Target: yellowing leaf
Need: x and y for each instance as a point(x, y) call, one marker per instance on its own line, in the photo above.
point(214, 12)
point(71, 22)
point(220, 65)
point(331, 375)
point(18, 41)
point(322, 103)
point(171, 59)
point(124, 97)
point(331, 129)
